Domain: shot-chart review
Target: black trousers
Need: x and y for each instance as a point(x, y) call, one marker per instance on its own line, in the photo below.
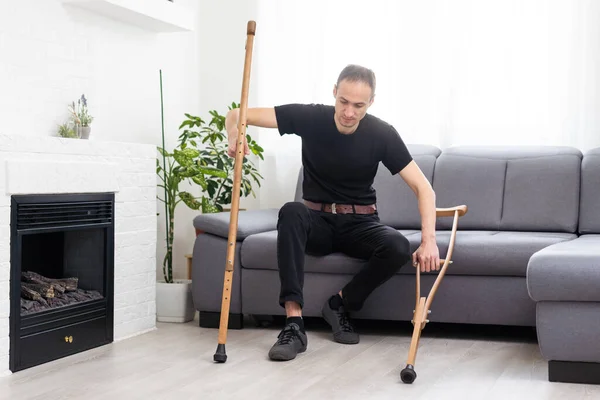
point(302, 231)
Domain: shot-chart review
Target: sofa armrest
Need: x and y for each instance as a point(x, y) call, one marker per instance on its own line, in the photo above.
point(249, 222)
point(566, 271)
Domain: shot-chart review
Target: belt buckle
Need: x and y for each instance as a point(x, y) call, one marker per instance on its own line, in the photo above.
point(333, 211)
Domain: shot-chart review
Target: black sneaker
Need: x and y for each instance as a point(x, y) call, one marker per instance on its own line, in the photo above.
point(290, 342)
point(343, 331)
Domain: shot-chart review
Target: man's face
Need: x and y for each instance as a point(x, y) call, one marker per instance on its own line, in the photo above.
point(352, 100)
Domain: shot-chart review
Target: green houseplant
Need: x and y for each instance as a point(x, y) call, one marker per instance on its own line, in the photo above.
point(173, 296)
point(201, 158)
point(178, 167)
point(210, 142)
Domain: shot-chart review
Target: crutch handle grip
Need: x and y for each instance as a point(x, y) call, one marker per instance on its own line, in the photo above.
point(449, 212)
point(442, 261)
point(251, 27)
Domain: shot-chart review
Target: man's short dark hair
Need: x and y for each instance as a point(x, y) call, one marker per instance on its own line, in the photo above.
point(357, 73)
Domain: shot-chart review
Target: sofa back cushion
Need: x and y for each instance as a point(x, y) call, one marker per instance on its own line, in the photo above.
point(298, 194)
point(397, 204)
point(510, 188)
point(589, 216)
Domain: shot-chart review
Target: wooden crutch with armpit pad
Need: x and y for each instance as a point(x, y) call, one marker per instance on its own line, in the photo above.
point(423, 304)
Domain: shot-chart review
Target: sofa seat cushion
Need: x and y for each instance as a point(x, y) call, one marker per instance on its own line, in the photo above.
point(259, 251)
point(487, 253)
point(475, 252)
point(568, 271)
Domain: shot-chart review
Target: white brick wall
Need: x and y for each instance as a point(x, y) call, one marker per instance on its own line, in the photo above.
point(54, 165)
point(51, 53)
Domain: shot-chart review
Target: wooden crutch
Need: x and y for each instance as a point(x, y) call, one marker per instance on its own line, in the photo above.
point(422, 305)
point(220, 355)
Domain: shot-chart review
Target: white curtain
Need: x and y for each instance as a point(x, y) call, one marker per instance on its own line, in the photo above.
point(454, 72)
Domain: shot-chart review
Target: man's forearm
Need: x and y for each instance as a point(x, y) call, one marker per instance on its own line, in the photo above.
point(260, 117)
point(231, 119)
point(426, 200)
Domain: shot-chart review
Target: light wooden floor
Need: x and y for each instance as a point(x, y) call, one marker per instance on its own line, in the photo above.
point(175, 362)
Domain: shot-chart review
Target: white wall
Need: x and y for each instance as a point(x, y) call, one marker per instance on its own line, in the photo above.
point(221, 43)
point(51, 53)
point(222, 31)
point(450, 73)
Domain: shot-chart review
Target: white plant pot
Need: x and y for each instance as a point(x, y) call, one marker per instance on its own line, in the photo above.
point(174, 301)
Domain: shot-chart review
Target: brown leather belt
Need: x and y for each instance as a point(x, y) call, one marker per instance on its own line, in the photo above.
point(342, 208)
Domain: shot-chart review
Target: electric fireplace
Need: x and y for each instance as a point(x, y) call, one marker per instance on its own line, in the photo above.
point(62, 275)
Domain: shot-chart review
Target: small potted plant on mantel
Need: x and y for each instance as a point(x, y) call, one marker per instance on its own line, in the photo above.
point(81, 118)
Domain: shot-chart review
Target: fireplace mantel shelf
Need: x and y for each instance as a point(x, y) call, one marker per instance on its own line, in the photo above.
point(152, 15)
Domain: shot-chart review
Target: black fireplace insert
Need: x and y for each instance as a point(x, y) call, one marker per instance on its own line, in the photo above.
point(62, 276)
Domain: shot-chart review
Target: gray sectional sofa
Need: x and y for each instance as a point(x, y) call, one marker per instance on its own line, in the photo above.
point(527, 253)
point(564, 281)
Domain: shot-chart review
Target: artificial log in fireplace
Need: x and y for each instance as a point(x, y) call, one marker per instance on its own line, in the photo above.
point(39, 293)
point(62, 284)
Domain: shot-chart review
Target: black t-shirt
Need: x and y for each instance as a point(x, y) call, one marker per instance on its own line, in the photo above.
point(341, 168)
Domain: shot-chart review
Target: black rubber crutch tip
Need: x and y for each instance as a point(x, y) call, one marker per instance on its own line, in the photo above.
point(408, 374)
point(220, 356)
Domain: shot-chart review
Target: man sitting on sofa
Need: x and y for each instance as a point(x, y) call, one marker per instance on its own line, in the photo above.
point(342, 146)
